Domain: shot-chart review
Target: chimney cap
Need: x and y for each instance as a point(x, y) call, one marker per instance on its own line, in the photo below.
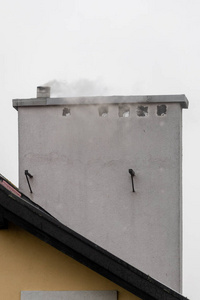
point(44, 99)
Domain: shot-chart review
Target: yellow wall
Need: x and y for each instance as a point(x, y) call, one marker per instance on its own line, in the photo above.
point(26, 263)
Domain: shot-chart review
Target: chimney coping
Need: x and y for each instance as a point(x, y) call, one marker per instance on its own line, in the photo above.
point(99, 100)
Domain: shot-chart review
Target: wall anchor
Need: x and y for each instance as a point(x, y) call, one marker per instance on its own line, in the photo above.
point(132, 173)
point(27, 174)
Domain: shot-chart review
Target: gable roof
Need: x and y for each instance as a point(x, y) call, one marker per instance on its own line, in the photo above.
point(20, 210)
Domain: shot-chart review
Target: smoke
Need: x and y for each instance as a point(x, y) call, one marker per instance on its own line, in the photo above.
point(81, 87)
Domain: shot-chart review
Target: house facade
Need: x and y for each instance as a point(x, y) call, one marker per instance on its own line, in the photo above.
point(29, 265)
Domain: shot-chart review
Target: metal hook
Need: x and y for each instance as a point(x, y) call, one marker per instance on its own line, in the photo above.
point(27, 174)
point(132, 173)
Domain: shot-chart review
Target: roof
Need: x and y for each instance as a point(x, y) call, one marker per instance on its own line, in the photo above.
point(99, 100)
point(20, 210)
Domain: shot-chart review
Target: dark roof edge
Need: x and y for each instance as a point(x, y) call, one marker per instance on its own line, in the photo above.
point(101, 100)
point(34, 220)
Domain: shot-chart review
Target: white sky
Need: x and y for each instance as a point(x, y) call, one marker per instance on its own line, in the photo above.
point(118, 47)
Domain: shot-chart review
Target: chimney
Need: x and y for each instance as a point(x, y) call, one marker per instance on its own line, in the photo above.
point(43, 92)
point(110, 169)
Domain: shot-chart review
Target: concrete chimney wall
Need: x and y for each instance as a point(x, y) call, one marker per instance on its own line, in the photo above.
point(80, 150)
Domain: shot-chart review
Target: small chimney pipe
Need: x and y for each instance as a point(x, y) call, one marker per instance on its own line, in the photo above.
point(43, 91)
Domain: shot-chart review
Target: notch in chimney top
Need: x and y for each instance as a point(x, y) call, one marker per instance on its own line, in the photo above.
point(43, 91)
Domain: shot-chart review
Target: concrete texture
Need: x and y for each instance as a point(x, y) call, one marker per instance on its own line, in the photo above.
point(80, 162)
point(72, 295)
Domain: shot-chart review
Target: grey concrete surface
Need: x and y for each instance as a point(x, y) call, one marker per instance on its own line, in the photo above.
point(79, 157)
point(68, 295)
